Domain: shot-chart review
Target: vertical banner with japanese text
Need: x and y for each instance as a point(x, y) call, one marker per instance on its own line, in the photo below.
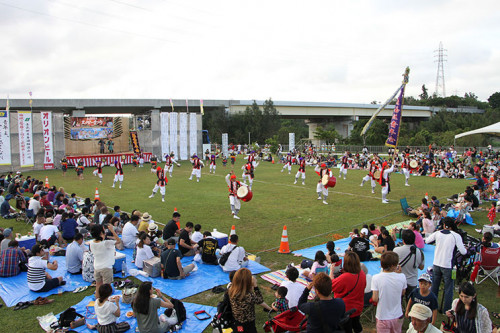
point(5, 158)
point(183, 136)
point(173, 132)
point(224, 145)
point(193, 134)
point(291, 141)
point(392, 139)
point(24, 124)
point(134, 138)
point(164, 135)
point(48, 144)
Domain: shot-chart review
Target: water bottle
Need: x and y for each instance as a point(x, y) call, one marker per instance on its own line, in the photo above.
point(124, 268)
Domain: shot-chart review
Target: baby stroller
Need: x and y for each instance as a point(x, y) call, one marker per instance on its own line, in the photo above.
point(291, 320)
point(465, 262)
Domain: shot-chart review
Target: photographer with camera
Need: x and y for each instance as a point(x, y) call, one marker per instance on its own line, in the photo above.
point(411, 260)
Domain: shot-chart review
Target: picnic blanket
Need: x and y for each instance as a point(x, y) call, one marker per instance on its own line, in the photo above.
point(278, 277)
point(191, 325)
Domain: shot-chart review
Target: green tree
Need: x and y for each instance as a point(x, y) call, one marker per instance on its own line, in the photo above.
point(494, 100)
point(327, 134)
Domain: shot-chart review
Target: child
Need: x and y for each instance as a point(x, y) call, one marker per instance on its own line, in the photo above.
point(388, 287)
point(107, 311)
point(492, 213)
point(224, 161)
point(117, 210)
point(320, 265)
point(73, 201)
point(280, 303)
point(197, 235)
point(423, 295)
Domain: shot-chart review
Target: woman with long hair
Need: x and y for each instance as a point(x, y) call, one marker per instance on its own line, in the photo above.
point(146, 307)
point(470, 316)
point(319, 265)
point(350, 286)
point(243, 296)
point(144, 251)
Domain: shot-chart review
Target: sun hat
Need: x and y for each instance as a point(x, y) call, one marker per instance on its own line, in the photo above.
point(364, 231)
point(49, 220)
point(146, 216)
point(153, 227)
point(420, 311)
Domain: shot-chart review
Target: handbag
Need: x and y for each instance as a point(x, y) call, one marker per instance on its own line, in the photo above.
point(449, 326)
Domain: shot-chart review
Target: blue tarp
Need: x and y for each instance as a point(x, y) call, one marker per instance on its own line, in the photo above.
point(207, 277)
point(373, 266)
point(191, 325)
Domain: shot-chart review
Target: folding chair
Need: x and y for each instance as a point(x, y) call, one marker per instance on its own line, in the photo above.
point(369, 309)
point(489, 264)
point(30, 216)
point(404, 206)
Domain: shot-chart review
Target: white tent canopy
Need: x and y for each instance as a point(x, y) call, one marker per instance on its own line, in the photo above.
point(491, 129)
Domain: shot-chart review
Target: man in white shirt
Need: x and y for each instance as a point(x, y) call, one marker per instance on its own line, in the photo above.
point(34, 204)
point(37, 226)
point(74, 255)
point(237, 258)
point(294, 288)
point(129, 232)
point(50, 233)
point(446, 241)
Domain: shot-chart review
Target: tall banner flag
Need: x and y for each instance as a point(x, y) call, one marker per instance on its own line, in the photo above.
point(225, 148)
point(392, 139)
point(164, 135)
point(134, 138)
point(173, 132)
point(48, 143)
point(291, 141)
point(193, 134)
point(172, 105)
point(183, 136)
point(369, 123)
point(5, 158)
point(25, 129)
point(201, 107)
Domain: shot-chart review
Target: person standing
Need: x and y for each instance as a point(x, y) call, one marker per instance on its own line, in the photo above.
point(411, 259)
point(154, 163)
point(98, 170)
point(197, 165)
point(446, 241)
point(320, 188)
point(169, 163)
point(233, 186)
point(111, 145)
point(384, 180)
point(119, 172)
point(101, 145)
point(248, 170)
point(370, 176)
point(64, 165)
point(288, 163)
point(301, 172)
point(213, 165)
point(344, 165)
point(79, 169)
point(405, 167)
point(160, 184)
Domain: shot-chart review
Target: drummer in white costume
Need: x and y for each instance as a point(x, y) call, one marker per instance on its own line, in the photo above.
point(169, 163)
point(371, 175)
point(119, 172)
point(288, 163)
point(234, 201)
point(320, 188)
point(384, 180)
point(405, 167)
point(248, 170)
point(197, 165)
point(213, 164)
point(160, 184)
point(344, 165)
point(301, 172)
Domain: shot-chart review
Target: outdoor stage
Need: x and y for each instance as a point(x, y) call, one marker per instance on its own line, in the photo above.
point(107, 159)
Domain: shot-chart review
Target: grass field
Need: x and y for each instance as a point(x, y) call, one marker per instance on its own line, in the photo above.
point(276, 202)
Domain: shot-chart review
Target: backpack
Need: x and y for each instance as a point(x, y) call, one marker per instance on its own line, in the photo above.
point(224, 316)
point(223, 259)
point(180, 310)
point(67, 317)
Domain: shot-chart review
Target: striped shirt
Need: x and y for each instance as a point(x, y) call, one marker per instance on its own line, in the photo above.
point(36, 273)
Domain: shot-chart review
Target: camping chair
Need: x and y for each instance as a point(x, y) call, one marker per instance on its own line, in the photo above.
point(489, 264)
point(404, 206)
point(369, 308)
point(30, 216)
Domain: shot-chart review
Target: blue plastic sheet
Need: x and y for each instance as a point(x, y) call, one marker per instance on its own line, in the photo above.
point(191, 324)
point(373, 266)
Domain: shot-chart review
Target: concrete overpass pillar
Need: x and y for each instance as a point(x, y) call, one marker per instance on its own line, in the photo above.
point(313, 127)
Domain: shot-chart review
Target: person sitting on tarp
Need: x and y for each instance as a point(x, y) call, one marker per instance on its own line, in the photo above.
point(208, 248)
point(12, 260)
point(237, 257)
point(6, 210)
point(38, 279)
point(171, 266)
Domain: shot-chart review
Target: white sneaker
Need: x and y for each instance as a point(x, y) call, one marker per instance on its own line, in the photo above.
point(289, 173)
point(195, 267)
point(162, 200)
point(324, 201)
point(303, 183)
point(373, 192)
point(113, 186)
point(295, 182)
point(281, 170)
point(120, 186)
point(319, 198)
point(151, 196)
point(197, 180)
point(385, 201)
point(188, 178)
point(361, 185)
point(236, 217)
point(407, 184)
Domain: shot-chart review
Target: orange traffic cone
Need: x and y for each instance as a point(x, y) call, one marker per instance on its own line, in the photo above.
point(272, 160)
point(433, 174)
point(96, 197)
point(47, 182)
point(233, 231)
point(284, 248)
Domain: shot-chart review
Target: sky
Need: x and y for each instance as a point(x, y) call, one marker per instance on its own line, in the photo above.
point(316, 51)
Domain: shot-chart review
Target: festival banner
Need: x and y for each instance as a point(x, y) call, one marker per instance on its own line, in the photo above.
point(164, 135)
point(48, 143)
point(25, 129)
point(183, 136)
point(5, 158)
point(193, 134)
point(173, 132)
point(291, 141)
point(135, 142)
point(392, 140)
point(225, 145)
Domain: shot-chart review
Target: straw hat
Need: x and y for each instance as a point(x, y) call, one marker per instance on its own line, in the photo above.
point(153, 227)
point(49, 220)
point(146, 216)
